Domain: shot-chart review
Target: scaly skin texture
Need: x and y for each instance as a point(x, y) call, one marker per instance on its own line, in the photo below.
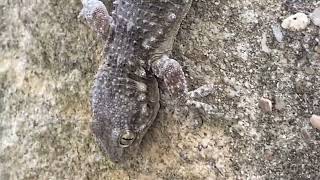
point(125, 98)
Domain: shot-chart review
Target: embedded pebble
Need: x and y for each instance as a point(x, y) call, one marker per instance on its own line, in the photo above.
point(315, 16)
point(276, 29)
point(296, 22)
point(264, 45)
point(265, 105)
point(315, 121)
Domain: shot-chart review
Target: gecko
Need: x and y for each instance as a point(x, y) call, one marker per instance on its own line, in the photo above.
point(125, 94)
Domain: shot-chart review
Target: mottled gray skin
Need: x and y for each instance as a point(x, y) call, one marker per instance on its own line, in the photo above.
point(125, 96)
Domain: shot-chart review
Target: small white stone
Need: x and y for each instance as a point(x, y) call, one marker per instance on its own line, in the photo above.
point(315, 121)
point(315, 16)
point(276, 29)
point(296, 22)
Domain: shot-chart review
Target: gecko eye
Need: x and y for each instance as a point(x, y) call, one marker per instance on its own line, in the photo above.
point(126, 139)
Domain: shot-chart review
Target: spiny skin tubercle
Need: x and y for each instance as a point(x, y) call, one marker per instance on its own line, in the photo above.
point(125, 96)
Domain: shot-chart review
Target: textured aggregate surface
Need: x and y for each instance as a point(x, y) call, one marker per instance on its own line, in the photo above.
point(48, 60)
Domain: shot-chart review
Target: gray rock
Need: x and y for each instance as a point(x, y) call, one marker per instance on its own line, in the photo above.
point(265, 105)
point(315, 16)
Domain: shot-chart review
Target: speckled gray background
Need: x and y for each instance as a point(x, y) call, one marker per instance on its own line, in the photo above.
point(48, 60)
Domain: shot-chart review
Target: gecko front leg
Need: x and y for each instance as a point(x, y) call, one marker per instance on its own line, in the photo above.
point(173, 76)
point(171, 72)
point(97, 17)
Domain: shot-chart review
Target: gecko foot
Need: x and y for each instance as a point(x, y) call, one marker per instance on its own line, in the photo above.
point(97, 17)
point(174, 79)
point(195, 111)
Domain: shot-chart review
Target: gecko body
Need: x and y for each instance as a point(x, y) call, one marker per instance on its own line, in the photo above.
point(125, 95)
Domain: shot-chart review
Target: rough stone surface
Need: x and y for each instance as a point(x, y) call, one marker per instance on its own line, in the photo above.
point(48, 60)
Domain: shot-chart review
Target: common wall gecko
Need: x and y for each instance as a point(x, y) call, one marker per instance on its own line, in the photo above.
point(125, 95)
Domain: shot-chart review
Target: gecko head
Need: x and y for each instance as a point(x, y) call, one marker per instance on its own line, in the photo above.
point(121, 118)
point(119, 142)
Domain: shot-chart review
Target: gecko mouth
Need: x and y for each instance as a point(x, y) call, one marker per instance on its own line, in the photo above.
point(126, 139)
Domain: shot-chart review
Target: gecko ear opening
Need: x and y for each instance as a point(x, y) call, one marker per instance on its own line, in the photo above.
point(126, 138)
